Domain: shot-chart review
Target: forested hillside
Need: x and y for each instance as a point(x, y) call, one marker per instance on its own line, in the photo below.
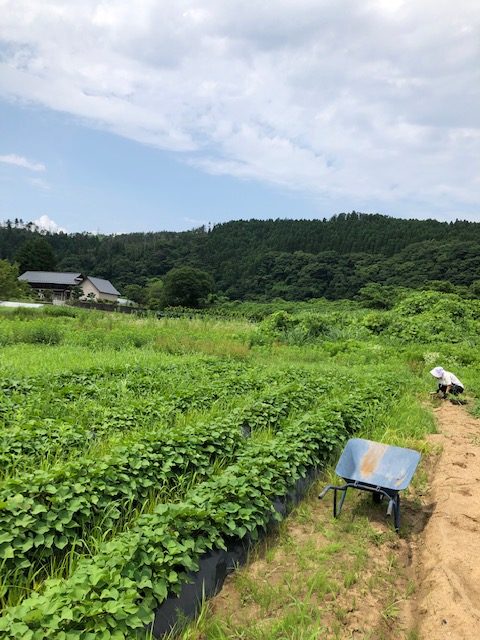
point(292, 259)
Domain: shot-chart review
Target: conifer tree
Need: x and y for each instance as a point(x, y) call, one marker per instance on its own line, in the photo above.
point(36, 255)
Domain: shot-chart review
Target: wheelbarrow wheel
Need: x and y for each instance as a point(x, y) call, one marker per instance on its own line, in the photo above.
point(377, 497)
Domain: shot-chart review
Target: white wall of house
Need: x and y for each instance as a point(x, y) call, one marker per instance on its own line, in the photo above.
point(88, 287)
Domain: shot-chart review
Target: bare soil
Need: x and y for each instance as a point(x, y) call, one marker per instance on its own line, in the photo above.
point(445, 555)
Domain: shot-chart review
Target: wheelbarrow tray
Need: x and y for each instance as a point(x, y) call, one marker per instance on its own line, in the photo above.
point(381, 469)
point(377, 464)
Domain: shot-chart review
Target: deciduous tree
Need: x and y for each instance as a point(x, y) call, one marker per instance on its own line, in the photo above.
point(10, 286)
point(186, 287)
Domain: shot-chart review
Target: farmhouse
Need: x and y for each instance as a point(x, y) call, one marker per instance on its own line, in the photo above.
point(51, 283)
point(59, 286)
point(100, 288)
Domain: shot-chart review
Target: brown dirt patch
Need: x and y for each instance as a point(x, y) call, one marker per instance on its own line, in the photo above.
point(445, 559)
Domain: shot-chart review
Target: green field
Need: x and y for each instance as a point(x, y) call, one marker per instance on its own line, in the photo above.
point(132, 446)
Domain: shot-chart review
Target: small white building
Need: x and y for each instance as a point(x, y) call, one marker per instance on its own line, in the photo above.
point(100, 288)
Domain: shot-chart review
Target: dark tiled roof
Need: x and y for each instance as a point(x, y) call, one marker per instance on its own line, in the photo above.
point(51, 277)
point(104, 286)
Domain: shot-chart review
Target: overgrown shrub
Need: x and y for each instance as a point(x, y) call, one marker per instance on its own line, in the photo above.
point(376, 321)
point(60, 311)
point(278, 322)
point(41, 334)
point(20, 313)
point(294, 329)
point(431, 315)
point(314, 325)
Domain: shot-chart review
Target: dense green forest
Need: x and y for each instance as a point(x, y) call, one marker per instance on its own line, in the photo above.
point(289, 259)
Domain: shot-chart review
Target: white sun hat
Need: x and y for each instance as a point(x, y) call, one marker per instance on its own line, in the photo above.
point(437, 372)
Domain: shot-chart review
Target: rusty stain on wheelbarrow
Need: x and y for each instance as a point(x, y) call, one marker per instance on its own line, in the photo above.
point(372, 458)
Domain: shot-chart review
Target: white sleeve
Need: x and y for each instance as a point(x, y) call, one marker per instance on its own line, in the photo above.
point(447, 378)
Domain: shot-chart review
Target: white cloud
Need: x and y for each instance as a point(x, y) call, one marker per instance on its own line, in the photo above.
point(20, 161)
point(39, 183)
point(358, 101)
point(46, 223)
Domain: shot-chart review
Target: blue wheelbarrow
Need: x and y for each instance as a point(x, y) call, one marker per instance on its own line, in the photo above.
point(382, 469)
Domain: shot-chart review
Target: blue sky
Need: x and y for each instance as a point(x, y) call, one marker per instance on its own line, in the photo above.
point(119, 116)
point(97, 181)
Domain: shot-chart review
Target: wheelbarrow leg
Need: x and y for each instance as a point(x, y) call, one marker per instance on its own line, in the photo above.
point(342, 500)
point(396, 513)
point(394, 509)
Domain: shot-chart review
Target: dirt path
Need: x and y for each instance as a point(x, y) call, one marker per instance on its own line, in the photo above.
point(446, 554)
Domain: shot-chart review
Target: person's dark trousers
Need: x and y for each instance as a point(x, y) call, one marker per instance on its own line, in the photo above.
point(455, 389)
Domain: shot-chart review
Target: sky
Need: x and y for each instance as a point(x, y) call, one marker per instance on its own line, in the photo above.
point(120, 116)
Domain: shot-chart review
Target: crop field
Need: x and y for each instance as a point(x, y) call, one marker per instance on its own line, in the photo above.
point(130, 447)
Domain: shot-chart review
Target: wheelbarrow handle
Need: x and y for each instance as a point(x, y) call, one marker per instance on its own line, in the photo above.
point(325, 491)
point(335, 488)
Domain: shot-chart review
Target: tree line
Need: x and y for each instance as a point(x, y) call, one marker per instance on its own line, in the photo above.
point(266, 259)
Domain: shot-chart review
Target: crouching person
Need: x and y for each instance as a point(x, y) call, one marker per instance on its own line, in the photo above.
point(447, 382)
